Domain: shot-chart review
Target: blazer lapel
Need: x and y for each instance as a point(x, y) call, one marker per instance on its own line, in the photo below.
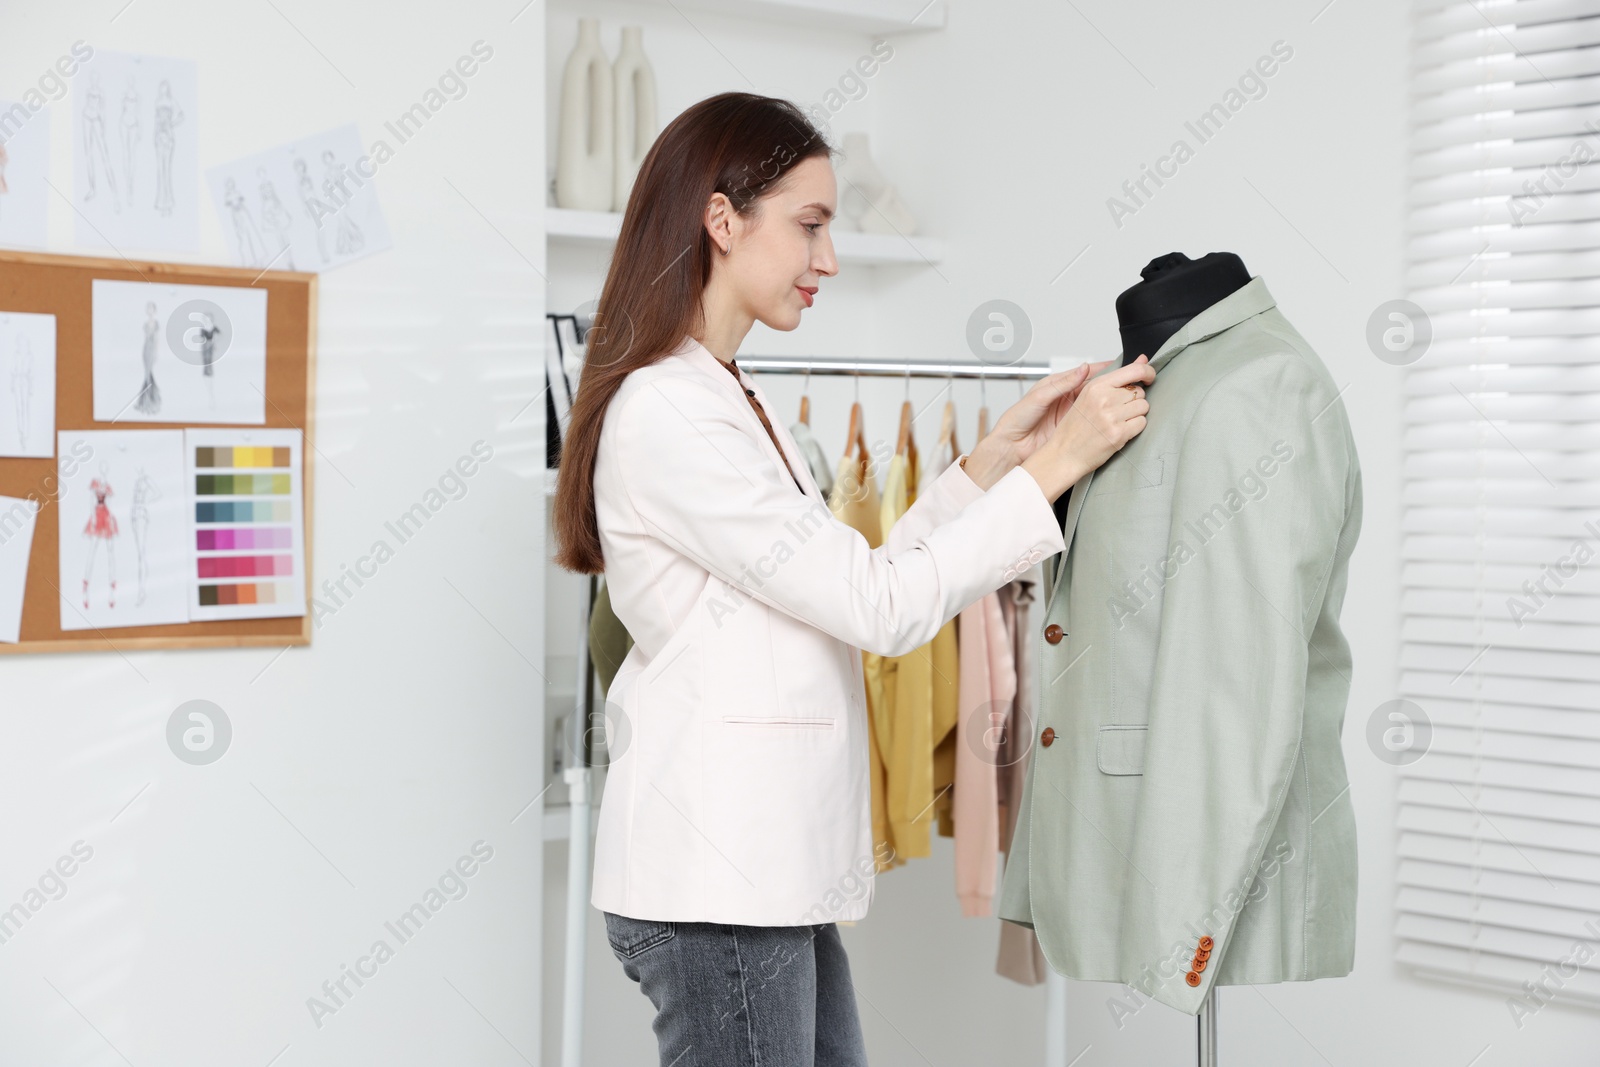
point(700, 357)
point(1068, 528)
point(791, 448)
point(1250, 299)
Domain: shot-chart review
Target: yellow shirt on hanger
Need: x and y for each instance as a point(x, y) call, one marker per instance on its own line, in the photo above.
point(854, 501)
point(917, 691)
point(946, 693)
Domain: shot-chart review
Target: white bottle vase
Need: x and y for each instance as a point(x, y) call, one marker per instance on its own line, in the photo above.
point(634, 82)
point(860, 182)
point(585, 144)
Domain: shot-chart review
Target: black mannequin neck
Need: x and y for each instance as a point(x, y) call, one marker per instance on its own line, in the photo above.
point(1175, 289)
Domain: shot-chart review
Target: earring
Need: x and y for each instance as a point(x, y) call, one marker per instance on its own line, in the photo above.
point(725, 251)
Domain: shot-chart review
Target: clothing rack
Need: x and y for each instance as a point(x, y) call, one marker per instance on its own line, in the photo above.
point(580, 777)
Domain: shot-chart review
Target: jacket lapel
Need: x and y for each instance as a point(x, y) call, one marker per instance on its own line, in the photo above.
point(1068, 528)
point(700, 357)
point(1248, 300)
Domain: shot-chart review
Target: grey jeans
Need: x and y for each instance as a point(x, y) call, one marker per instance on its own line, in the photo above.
point(743, 996)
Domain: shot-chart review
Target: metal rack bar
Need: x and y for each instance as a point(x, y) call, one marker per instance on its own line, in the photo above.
point(892, 368)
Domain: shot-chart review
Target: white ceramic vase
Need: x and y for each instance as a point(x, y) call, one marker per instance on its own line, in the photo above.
point(634, 92)
point(585, 143)
point(867, 201)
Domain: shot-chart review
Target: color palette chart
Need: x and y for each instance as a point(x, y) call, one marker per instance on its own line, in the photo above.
point(248, 519)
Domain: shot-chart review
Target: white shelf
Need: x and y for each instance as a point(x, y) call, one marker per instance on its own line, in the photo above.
point(565, 226)
point(875, 17)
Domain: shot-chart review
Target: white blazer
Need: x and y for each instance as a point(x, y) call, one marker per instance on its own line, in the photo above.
point(737, 790)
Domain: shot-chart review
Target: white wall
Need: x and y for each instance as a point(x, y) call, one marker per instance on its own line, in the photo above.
point(221, 897)
point(1007, 132)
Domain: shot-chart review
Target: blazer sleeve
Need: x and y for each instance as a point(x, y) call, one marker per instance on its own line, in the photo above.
point(1228, 693)
point(936, 504)
point(694, 476)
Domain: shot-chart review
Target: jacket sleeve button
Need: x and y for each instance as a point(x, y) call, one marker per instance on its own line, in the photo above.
point(1193, 978)
point(1206, 943)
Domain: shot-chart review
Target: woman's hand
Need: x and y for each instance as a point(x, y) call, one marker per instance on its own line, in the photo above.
point(1029, 423)
point(1108, 412)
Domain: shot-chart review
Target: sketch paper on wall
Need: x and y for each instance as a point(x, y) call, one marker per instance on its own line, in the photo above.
point(24, 168)
point(135, 153)
point(179, 353)
point(17, 520)
point(124, 558)
point(248, 533)
point(27, 384)
point(304, 206)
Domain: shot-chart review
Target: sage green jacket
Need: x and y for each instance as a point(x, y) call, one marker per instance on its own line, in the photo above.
point(1186, 816)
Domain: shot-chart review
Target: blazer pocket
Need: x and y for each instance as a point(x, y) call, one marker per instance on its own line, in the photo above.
point(1120, 475)
point(1121, 749)
point(801, 722)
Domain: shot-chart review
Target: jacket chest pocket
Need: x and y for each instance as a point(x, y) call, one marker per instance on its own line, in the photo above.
point(1121, 749)
point(1123, 473)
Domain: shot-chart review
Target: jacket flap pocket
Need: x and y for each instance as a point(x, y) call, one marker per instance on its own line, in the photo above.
point(1120, 474)
point(1121, 749)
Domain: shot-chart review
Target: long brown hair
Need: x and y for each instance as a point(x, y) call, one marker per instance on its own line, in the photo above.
point(738, 144)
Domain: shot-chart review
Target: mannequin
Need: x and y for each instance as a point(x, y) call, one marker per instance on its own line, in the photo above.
point(1186, 820)
point(1175, 289)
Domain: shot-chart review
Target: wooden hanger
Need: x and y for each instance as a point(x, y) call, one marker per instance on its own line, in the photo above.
point(983, 406)
point(805, 399)
point(903, 438)
point(947, 421)
point(855, 437)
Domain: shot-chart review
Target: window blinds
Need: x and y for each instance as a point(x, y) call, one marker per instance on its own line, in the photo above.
point(1499, 835)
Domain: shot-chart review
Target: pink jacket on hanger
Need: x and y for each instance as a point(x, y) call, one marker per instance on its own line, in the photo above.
point(987, 684)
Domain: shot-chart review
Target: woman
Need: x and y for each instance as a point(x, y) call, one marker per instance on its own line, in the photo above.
point(735, 825)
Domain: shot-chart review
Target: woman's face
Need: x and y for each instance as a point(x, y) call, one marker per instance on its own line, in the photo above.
point(779, 257)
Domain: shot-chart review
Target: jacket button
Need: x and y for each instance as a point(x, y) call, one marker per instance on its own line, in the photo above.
point(1197, 966)
point(1206, 943)
point(1054, 633)
point(1203, 954)
point(1193, 978)
point(1048, 736)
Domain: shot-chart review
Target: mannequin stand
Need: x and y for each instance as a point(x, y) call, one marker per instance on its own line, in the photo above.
point(1206, 1030)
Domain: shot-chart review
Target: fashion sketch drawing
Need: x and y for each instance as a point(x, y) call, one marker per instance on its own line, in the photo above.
point(101, 529)
point(168, 116)
point(22, 388)
point(208, 352)
point(130, 133)
point(251, 249)
point(145, 492)
point(308, 199)
point(276, 218)
point(149, 399)
point(95, 147)
point(349, 239)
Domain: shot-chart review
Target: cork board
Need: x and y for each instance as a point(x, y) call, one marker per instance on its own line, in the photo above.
point(61, 286)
